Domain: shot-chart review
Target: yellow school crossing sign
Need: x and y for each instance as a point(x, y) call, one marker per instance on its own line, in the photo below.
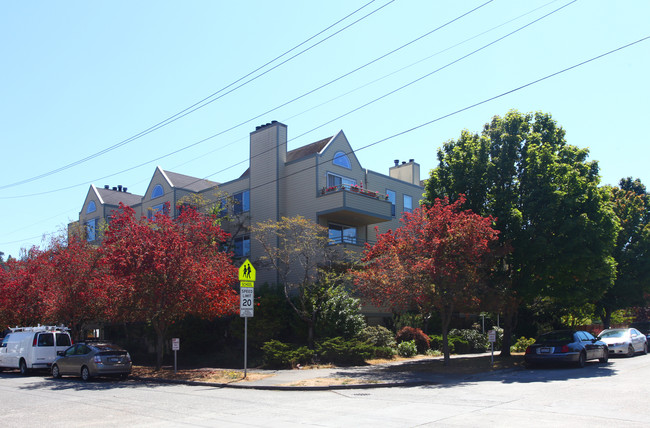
point(247, 272)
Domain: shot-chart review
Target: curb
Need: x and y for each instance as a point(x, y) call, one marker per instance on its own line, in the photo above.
point(286, 388)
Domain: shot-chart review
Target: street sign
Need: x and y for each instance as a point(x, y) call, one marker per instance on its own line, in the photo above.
point(246, 301)
point(176, 344)
point(492, 336)
point(247, 271)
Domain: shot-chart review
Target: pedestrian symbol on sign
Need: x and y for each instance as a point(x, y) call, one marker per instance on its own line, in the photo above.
point(246, 272)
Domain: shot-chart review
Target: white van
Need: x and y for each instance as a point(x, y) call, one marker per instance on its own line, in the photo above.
point(27, 348)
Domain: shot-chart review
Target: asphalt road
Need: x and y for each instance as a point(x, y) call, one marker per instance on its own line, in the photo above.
point(614, 394)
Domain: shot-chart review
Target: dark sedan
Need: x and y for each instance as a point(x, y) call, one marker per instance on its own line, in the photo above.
point(92, 359)
point(566, 346)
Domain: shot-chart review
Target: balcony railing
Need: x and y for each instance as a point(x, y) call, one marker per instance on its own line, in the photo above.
point(355, 189)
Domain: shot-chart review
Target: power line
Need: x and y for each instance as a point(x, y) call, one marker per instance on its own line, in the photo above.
point(471, 106)
point(206, 101)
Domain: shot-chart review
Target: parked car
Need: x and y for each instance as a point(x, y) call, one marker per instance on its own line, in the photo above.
point(566, 346)
point(643, 327)
point(624, 341)
point(92, 359)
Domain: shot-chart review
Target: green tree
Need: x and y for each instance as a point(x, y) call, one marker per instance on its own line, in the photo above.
point(632, 250)
point(548, 207)
point(299, 251)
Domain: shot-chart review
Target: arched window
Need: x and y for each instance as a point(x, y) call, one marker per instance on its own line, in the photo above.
point(157, 191)
point(341, 159)
point(91, 207)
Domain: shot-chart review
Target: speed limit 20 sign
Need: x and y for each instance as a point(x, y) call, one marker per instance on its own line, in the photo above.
point(246, 299)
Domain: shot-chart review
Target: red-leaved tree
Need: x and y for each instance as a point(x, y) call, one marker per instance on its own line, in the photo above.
point(169, 268)
point(75, 284)
point(435, 260)
point(21, 301)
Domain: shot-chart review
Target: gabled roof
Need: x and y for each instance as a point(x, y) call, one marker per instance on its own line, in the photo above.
point(114, 197)
point(181, 181)
point(309, 149)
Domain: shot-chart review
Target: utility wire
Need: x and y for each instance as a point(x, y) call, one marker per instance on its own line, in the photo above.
point(211, 97)
point(471, 106)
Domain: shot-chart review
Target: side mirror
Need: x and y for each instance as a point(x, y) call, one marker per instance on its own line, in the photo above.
point(60, 353)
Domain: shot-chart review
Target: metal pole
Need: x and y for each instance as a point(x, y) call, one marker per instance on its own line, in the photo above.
point(245, 345)
point(175, 366)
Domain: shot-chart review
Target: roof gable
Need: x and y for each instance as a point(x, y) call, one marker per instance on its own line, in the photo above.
point(194, 184)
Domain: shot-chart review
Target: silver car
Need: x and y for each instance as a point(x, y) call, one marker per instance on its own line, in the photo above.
point(92, 359)
point(624, 341)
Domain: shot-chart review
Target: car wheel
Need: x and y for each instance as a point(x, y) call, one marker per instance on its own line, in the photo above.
point(605, 356)
point(23, 368)
point(85, 374)
point(56, 374)
point(630, 351)
point(582, 360)
point(645, 348)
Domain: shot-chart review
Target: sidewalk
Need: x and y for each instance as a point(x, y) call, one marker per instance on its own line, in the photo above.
point(391, 374)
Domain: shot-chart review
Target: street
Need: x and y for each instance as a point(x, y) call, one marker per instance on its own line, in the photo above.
point(597, 395)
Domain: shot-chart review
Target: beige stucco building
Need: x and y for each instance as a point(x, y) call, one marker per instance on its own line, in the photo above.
point(322, 181)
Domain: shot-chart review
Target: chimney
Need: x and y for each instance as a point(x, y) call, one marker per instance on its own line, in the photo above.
point(408, 172)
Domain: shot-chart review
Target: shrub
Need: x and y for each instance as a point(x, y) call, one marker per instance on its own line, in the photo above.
point(435, 342)
point(283, 355)
point(521, 344)
point(407, 348)
point(339, 315)
point(415, 334)
point(458, 345)
point(377, 335)
point(344, 352)
point(384, 352)
point(477, 342)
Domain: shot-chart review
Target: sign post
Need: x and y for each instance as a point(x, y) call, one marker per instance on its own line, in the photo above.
point(492, 337)
point(176, 345)
point(246, 300)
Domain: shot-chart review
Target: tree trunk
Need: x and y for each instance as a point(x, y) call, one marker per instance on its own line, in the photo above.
point(160, 338)
point(445, 318)
point(508, 326)
point(607, 318)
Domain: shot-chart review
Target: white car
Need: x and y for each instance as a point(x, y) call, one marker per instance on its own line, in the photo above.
point(624, 341)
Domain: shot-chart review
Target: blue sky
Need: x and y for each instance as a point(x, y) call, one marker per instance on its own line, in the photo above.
point(81, 77)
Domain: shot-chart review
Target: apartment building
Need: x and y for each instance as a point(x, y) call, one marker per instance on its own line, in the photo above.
point(322, 181)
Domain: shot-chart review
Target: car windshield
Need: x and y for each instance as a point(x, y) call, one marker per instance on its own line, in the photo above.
point(612, 333)
point(556, 336)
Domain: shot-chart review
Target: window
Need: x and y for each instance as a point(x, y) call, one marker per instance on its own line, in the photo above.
point(334, 180)
point(46, 339)
point(242, 202)
point(153, 210)
point(157, 191)
point(62, 339)
point(340, 234)
point(242, 246)
point(408, 204)
point(341, 159)
point(91, 207)
point(91, 230)
point(391, 198)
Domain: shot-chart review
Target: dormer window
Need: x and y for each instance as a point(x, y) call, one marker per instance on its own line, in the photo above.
point(341, 159)
point(157, 191)
point(91, 207)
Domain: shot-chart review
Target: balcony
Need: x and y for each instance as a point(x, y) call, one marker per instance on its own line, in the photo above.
point(353, 206)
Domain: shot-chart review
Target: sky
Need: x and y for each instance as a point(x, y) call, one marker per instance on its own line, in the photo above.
point(102, 92)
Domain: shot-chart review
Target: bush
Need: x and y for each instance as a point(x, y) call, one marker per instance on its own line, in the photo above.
point(377, 336)
point(344, 352)
point(384, 352)
point(283, 355)
point(340, 315)
point(409, 333)
point(521, 344)
point(435, 342)
point(407, 349)
point(458, 345)
point(477, 342)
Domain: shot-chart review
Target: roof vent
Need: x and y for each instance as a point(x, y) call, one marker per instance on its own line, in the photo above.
point(114, 188)
point(396, 162)
point(119, 187)
point(106, 186)
point(411, 160)
point(403, 162)
point(124, 189)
